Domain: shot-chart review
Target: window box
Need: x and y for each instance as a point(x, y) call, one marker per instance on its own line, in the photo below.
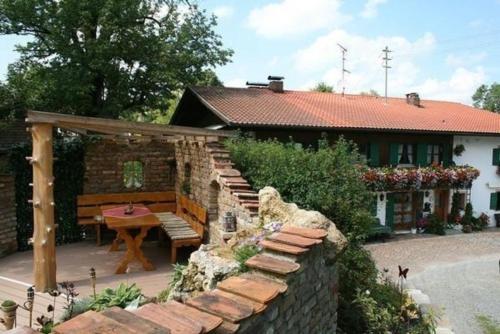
point(378, 179)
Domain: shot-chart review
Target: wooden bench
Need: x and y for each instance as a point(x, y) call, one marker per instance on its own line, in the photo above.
point(89, 206)
point(186, 227)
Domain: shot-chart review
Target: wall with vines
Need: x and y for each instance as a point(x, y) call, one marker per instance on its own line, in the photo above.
point(69, 170)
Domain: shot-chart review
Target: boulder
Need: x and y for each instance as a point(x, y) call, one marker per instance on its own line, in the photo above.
point(204, 270)
point(272, 208)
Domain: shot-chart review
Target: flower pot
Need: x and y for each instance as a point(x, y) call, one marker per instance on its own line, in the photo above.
point(413, 231)
point(9, 315)
point(467, 228)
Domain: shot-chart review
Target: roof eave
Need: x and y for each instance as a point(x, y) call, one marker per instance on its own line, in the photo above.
point(368, 129)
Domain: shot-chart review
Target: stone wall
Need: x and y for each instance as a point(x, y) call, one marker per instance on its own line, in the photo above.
point(292, 285)
point(104, 161)
point(8, 235)
point(205, 174)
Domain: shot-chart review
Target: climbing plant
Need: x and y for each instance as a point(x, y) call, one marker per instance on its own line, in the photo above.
point(69, 171)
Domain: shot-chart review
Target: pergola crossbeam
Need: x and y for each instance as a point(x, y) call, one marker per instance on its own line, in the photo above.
point(118, 126)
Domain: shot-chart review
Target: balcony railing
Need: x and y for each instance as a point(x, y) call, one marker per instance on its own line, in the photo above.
point(380, 179)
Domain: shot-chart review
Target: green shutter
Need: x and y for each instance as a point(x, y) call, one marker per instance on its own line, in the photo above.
point(374, 155)
point(447, 160)
point(389, 211)
point(422, 155)
point(493, 201)
point(496, 156)
point(393, 154)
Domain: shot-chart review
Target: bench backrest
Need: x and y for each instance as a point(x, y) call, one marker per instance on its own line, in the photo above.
point(193, 213)
point(89, 205)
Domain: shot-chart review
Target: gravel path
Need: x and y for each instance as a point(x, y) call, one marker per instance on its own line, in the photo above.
point(460, 273)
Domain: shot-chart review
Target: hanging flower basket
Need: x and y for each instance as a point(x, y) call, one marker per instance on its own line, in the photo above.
point(378, 179)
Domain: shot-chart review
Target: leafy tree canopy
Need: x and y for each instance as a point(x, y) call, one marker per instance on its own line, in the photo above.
point(487, 97)
point(107, 58)
point(323, 87)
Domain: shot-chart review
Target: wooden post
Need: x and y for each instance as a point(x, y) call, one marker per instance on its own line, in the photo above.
point(44, 246)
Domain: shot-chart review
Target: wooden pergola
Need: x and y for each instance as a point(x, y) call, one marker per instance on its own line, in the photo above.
point(42, 128)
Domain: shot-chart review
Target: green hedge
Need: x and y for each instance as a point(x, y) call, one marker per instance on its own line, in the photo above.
point(69, 169)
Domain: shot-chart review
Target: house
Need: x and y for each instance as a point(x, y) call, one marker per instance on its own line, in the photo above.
point(401, 133)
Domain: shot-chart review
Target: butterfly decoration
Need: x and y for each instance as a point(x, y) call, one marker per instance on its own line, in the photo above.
point(403, 272)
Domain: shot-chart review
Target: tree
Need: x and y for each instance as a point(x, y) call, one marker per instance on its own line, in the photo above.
point(323, 87)
point(109, 58)
point(487, 97)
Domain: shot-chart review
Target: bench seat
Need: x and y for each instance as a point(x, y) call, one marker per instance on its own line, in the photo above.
point(175, 227)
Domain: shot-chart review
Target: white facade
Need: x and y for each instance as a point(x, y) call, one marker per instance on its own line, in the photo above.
point(479, 154)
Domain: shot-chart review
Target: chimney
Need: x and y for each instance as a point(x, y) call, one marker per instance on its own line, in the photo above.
point(275, 83)
point(413, 99)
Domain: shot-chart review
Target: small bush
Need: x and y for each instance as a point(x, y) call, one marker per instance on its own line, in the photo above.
point(435, 225)
point(176, 277)
point(488, 325)
point(467, 219)
point(481, 222)
point(243, 253)
point(80, 306)
point(121, 297)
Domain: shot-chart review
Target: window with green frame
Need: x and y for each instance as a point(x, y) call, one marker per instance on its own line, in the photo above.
point(495, 201)
point(133, 174)
point(496, 156)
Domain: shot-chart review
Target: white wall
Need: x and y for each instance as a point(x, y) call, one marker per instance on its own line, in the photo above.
point(479, 153)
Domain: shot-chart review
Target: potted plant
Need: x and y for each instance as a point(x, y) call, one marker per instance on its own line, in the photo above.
point(9, 308)
point(458, 150)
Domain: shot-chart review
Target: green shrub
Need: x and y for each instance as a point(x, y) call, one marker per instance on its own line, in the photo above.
point(80, 306)
point(327, 179)
point(243, 253)
point(8, 303)
point(481, 222)
point(176, 277)
point(435, 225)
point(467, 219)
point(121, 297)
point(488, 325)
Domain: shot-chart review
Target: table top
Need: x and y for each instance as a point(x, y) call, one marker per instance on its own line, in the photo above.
point(141, 217)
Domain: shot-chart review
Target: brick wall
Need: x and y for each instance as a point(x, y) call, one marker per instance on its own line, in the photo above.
point(8, 235)
point(215, 185)
point(104, 166)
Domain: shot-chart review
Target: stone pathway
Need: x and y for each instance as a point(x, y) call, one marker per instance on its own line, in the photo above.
point(459, 273)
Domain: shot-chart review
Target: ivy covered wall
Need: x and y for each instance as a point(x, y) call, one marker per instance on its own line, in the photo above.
point(69, 170)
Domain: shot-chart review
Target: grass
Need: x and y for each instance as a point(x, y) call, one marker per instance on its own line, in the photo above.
point(487, 324)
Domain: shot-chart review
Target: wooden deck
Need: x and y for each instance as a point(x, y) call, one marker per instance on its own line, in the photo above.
point(73, 264)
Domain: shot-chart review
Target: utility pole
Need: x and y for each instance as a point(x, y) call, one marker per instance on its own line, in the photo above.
point(386, 66)
point(344, 70)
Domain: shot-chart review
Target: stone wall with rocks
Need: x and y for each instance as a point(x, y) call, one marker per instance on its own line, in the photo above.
point(205, 173)
point(292, 285)
point(8, 234)
point(104, 161)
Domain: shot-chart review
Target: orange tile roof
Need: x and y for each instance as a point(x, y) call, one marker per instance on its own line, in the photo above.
point(262, 107)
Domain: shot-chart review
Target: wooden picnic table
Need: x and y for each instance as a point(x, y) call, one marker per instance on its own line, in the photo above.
point(141, 219)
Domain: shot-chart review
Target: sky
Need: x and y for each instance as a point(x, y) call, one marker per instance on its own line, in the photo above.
point(442, 49)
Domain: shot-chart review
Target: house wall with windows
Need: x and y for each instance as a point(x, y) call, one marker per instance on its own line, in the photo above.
point(483, 153)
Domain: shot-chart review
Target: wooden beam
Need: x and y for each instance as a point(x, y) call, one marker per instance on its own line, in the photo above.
point(44, 244)
point(91, 123)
